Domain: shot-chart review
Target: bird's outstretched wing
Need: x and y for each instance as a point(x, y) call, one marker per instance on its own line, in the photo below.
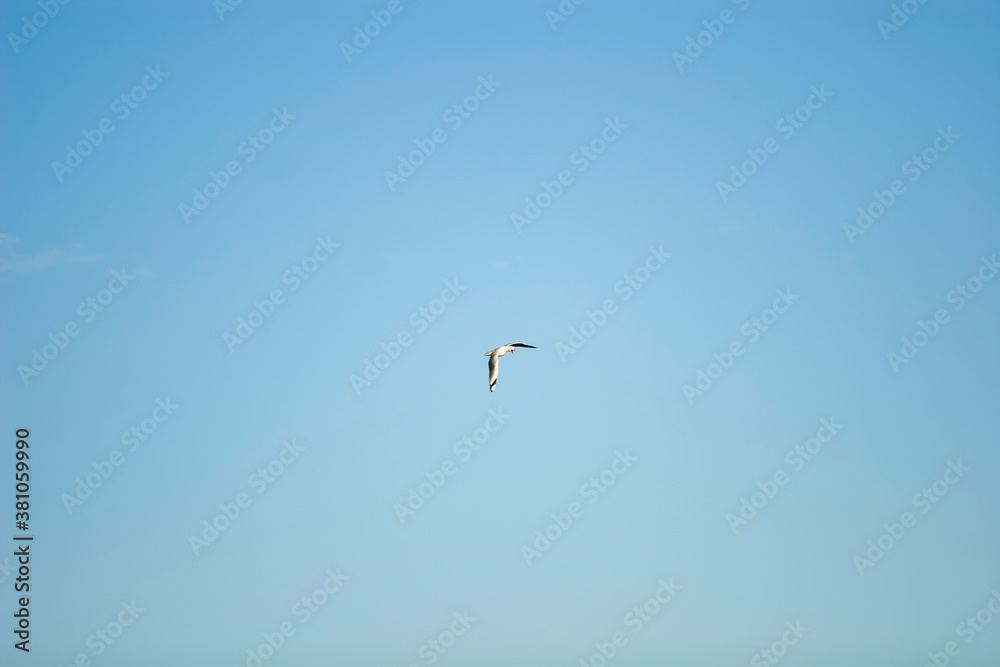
point(521, 345)
point(494, 370)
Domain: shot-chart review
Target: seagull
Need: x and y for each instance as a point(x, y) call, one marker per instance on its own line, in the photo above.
point(495, 355)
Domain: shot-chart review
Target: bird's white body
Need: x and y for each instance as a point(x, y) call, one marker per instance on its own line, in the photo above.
point(495, 355)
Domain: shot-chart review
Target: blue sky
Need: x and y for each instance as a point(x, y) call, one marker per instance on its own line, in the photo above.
point(311, 219)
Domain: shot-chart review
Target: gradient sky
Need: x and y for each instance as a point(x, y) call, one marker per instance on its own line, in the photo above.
point(655, 185)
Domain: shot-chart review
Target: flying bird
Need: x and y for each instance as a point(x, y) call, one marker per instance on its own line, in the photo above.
point(495, 355)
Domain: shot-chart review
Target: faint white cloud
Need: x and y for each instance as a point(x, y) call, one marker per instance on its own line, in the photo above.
point(40, 259)
point(729, 229)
